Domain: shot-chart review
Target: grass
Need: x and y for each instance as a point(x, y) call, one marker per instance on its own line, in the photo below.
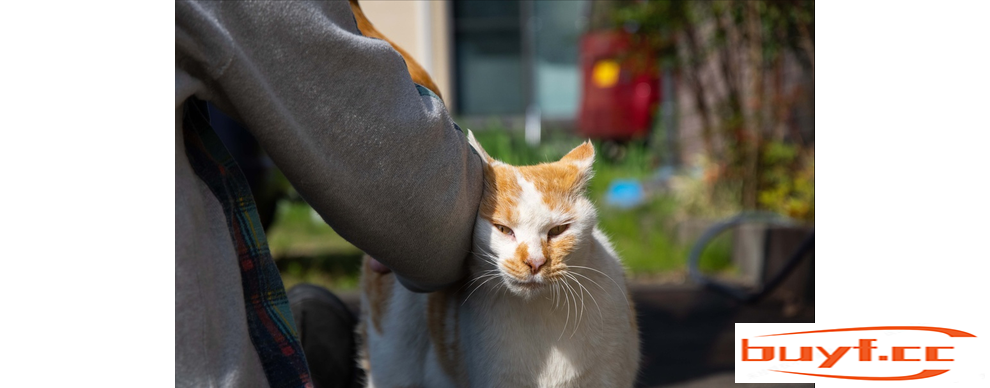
point(299, 231)
point(307, 250)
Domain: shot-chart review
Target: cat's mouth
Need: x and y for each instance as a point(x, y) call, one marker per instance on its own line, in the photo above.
point(529, 284)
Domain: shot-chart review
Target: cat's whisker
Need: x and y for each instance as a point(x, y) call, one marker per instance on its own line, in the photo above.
point(491, 260)
point(482, 276)
point(501, 285)
point(568, 317)
point(582, 296)
point(472, 281)
point(469, 284)
point(490, 271)
point(600, 315)
point(621, 290)
point(478, 279)
point(591, 280)
point(574, 294)
point(596, 283)
point(483, 251)
point(488, 257)
point(551, 296)
point(478, 287)
point(567, 295)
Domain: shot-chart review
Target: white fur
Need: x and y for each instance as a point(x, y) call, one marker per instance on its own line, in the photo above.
point(573, 335)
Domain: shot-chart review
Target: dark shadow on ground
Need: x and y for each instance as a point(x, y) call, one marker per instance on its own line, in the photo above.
point(688, 333)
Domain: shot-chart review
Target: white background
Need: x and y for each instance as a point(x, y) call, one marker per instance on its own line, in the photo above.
point(87, 196)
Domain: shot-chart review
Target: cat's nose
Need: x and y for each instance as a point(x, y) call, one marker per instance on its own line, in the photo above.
point(535, 262)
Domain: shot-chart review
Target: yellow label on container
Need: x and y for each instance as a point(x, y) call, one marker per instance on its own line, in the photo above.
point(605, 74)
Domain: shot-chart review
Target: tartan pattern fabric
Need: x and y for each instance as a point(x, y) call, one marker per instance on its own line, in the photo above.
point(424, 91)
point(270, 323)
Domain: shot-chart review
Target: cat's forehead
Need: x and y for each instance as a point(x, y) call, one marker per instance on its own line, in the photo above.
point(550, 178)
point(551, 184)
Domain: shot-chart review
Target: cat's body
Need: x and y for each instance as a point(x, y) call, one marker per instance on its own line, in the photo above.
point(544, 303)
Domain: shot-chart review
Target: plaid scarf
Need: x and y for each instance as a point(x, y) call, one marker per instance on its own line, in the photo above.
point(270, 323)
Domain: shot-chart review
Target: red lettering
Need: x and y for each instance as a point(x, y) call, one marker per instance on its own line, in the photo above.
point(766, 353)
point(865, 349)
point(805, 354)
point(831, 359)
point(931, 353)
point(899, 353)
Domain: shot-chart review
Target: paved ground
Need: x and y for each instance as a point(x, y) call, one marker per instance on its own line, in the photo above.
point(687, 334)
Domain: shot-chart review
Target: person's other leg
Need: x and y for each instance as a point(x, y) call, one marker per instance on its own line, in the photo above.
point(326, 330)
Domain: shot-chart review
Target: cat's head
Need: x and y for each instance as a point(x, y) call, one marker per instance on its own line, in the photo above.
point(534, 220)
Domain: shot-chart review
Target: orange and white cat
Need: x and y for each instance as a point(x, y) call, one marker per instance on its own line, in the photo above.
point(544, 304)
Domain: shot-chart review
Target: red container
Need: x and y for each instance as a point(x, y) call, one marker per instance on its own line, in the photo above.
point(620, 87)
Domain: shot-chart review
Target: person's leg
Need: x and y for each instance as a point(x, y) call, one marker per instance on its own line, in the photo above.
point(326, 330)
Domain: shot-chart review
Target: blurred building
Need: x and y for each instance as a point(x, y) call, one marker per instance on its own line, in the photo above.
point(518, 60)
point(492, 57)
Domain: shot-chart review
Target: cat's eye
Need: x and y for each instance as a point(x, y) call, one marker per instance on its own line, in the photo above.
point(504, 229)
point(557, 230)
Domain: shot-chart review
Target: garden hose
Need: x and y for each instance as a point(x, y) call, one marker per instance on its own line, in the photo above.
point(738, 293)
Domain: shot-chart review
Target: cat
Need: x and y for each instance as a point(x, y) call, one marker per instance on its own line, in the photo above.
point(544, 304)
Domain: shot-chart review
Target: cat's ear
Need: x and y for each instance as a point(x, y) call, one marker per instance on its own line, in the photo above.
point(477, 148)
point(582, 156)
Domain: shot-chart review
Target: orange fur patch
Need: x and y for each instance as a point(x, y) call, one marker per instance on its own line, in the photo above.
point(448, 351)
point(501, 194)
point(518, 267)
point(522, 252)
point(580, 153)
point(557, 248)
point(364, 355)
point(378, 288)
point(557, 182)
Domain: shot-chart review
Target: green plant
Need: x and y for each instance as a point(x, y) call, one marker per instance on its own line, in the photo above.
point(701, 194)
point(788, 185)
point(744, 46)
